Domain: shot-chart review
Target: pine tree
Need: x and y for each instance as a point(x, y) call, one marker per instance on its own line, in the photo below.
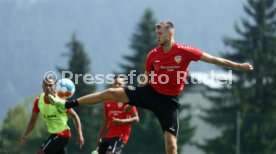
point(79, 65)
point(147, 134)
point(142, 41)
point(15, 124)
point(247, 108)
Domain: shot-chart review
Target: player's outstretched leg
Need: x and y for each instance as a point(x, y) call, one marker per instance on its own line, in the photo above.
point(114, 94)
point(171, 143)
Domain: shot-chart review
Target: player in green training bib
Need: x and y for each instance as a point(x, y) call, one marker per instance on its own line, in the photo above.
point(55, 120)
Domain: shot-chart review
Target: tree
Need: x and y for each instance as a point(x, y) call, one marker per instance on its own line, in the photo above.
point(147, 134)
point(79, 66)
point(142, 41)
point(13, 127)
point(247, 108)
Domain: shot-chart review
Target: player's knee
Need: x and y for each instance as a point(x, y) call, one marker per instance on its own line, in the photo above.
point(171, 145)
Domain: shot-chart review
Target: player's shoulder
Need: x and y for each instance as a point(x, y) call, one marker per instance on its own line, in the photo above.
point(35, 104)
point(180, 46)
point(71, 111)
point(36, 99)
point(185, 48)
point(134, 108)
point(154, 50)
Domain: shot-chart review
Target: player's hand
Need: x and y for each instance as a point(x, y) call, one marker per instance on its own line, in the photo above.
point(22, 139)
point(80, 140)
point(245, 67)
point(117, 121)
point(128, 108)
point(59, 103)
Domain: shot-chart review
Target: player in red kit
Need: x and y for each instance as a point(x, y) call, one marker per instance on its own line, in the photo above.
point(166, 68)
point(118, 122)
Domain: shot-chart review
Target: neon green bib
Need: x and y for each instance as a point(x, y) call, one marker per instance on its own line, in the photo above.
point(55, 121)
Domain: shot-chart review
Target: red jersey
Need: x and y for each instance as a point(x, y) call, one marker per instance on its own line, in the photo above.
point(116, 110)
point(65, 133)
point(170, 69)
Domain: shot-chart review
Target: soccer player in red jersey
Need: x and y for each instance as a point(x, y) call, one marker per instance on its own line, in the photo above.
point(166, 68)
point(55, 121)
point(118, 122)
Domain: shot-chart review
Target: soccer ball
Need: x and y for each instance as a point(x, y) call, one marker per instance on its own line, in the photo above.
point(65, 88)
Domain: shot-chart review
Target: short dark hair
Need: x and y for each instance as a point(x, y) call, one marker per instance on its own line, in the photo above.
point(167, 24)
point(48, 78)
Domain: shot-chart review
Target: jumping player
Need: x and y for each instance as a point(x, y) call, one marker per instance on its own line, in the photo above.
point(166, 68)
